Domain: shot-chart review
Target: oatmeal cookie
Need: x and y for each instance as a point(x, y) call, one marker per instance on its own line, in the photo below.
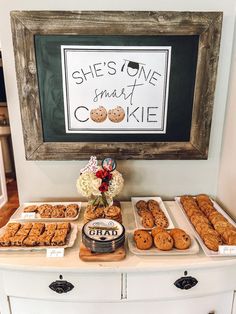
point(58, 212)
point(227, 234)
point(182, 240)
point(71, 210)
point(92, 212)
point(45, 210)
point(31, 209)
point(212, 242)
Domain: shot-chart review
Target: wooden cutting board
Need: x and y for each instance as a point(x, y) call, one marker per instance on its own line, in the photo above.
point(87, 256)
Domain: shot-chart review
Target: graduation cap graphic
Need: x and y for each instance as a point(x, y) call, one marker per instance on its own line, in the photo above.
point(131, 64)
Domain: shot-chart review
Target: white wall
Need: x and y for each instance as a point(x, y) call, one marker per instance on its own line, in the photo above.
point(227, 174)
point(51, 180)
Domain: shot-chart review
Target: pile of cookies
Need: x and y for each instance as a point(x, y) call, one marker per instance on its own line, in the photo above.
point(54, 211)
point(35, 234)
point(213, 228)
point(115, 115)
point(109, 212)
point(162, 239)
point(151, 214)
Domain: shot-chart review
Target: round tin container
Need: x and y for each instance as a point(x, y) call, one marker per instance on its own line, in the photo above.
point(103, 235)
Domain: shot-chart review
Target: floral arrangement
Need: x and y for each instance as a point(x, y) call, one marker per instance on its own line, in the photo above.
point(100, 182)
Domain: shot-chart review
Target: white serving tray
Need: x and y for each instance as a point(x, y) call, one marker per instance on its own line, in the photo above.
point(139, 225)
point(205, 249)
point(153, 251)
point(17, 216)
point(71, 237)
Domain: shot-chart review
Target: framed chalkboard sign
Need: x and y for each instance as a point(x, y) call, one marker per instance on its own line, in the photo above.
point(131, 85)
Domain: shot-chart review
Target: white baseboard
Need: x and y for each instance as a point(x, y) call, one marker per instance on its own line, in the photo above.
point(3, 200)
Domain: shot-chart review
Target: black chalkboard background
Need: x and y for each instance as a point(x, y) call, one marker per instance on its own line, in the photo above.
point(181, 86)
point(2, 84)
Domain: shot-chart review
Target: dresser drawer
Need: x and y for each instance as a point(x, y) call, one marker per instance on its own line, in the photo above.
point(86, 287)
point(160, 285)
point(218, 304)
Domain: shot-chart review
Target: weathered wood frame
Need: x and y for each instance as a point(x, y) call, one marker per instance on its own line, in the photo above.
point(26, 24)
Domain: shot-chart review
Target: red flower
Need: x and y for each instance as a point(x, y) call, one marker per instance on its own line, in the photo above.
point(108, 176)
point(99, 174)
point(103, 187)
point(104, 175)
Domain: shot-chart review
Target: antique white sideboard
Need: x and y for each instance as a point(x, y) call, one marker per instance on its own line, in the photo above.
point(137, 284)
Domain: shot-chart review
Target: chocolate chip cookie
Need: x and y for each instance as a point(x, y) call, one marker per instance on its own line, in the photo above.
point(116, 115)
point(98, 114)
point(143, 239)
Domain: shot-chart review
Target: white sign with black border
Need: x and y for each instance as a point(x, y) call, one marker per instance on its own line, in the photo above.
point(115, 89)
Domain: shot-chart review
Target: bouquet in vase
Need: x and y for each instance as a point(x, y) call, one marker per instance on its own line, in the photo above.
point(100, 184)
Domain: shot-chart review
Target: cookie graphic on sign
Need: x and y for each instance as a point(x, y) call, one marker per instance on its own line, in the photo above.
point(98, 114)
point(116, 115)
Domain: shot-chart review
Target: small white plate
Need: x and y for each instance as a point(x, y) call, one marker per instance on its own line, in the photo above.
point(138, 221)
point(153, 251)
point(204, 247)
point(17, 216)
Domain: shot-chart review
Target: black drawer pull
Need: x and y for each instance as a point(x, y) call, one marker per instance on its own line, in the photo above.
point(185, 283)
point(61, 286)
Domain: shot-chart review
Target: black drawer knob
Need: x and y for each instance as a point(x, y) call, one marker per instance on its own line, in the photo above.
point(185, 283)
point(61, 286)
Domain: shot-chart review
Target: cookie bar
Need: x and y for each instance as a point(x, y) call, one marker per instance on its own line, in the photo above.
point(59, 237)
point(64, 225)
point(13, 226)
point(18, 240)
point(45, 239)
point(34, 234)
point(31, 241)
point(5, 240)
point(37, 229)
point(50, 228)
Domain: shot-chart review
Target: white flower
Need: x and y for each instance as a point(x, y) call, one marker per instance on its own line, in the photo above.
point(115, 185)
point(88, 184)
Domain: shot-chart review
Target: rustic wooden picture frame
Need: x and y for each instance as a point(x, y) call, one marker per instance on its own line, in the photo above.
point(27, 24)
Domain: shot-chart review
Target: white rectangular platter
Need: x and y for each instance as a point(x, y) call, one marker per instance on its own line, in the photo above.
point(138, 222)
point(153, 251)
point(18, 215)
point(205, 249)
point(70, 240)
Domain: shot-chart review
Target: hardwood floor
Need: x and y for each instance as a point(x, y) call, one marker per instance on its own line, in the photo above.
point(13, 202)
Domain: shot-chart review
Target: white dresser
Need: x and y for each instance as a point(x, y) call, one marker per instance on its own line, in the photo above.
point(138, 284)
